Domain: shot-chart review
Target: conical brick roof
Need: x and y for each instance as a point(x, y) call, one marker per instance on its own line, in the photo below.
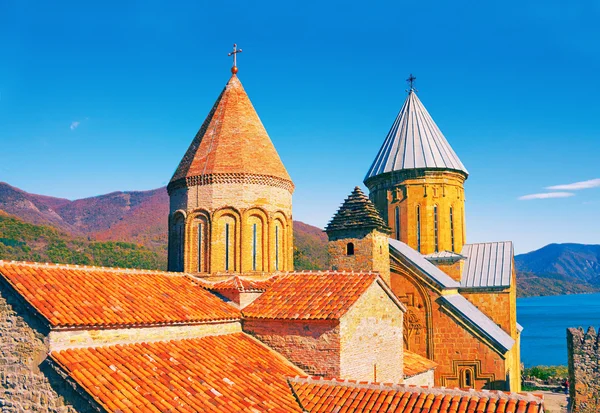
point(414, 142)
point(357, 212)
point(232, 142)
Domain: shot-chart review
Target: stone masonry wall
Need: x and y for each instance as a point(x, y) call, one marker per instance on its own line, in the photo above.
point(371, 253)
point(314, 346)
point(584, 370)
point(27, 382)
point(371, 339)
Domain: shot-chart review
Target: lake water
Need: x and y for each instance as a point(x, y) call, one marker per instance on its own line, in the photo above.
point(546, 319)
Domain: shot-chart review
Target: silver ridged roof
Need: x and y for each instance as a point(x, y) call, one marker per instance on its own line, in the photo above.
point(485, 324)
point(414, 142)
point(455, 301)
point(488, 264)
point(419, 261)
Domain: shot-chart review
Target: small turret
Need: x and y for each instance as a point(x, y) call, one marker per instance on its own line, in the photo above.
point(358, 237)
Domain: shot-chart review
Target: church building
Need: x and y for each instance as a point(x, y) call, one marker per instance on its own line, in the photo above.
point(460, 298)
point(406, 308)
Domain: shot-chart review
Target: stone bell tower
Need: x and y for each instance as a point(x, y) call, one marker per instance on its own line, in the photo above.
point(231, 196)
point(358, 237)
point(417, 182)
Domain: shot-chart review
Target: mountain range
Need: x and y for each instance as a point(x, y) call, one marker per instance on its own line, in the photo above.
point(130, 229)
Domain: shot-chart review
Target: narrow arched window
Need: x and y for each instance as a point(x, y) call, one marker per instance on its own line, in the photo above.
point(418, 228)
point(227, 241)
point(350, 249)
point(180, 244)
point(466, 379)
point(277, 247)
point(200, 247)
point(397, 222)
point(436, 232)
point(452, 227)
point(254, 242)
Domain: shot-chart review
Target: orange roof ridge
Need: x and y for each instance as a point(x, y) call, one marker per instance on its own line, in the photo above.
point(232, 141)
point(84, 267)
point(495, 394)
point(76, 297)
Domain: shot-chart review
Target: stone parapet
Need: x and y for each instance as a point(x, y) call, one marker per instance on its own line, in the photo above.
point(584, 371)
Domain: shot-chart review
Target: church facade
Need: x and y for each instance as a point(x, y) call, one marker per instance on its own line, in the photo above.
point(231, 327)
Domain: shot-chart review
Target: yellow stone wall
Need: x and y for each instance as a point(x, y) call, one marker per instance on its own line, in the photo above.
point(63, 339)
point(371, 253)
point(210, 214)
point(371, 345)
point(420, 192)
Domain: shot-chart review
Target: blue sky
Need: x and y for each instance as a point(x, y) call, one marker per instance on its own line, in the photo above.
point(106, 96)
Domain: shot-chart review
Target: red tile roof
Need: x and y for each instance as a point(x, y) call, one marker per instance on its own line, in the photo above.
point(325, 396)
point(324, 295)
point(77, 296)
point(232, 140)
point(415, 364)
point(227, 373)
point(250, 283)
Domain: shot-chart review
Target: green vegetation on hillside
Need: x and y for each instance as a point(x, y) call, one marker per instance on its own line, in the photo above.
point(529, 285)
point(27, 242)
point(546, 372)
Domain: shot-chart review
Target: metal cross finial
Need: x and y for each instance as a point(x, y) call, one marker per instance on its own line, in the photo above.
point(411, 83)
point(234, 53)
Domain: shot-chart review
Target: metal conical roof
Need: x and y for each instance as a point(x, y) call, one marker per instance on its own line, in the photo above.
point(414, 142)
point(232, 140)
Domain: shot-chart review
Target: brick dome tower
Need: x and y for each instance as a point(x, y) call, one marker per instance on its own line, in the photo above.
point(417, 182)
point(231, 196)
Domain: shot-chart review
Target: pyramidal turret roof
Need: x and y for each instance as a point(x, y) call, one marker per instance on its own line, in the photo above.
point(357, 212)
point(232, 140)
point(414, 142)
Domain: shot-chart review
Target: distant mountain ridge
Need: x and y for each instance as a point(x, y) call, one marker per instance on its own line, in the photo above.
point(138, 217)
point(135, 216)
point(579, 261)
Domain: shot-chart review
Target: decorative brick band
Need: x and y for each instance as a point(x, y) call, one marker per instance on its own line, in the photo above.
point(231, 178)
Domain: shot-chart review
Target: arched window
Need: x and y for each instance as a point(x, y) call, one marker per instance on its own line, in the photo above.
point(200, 247)
point(418, 228)
point(350, 249)
point(227, 245)
point(276, 247)
point(254, 244)
point(466, 378)
point(436, 232)
point(452, 227)
point(397, 222)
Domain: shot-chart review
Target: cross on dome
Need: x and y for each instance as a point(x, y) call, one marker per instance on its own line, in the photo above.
point(411, 83)
point(234, 53)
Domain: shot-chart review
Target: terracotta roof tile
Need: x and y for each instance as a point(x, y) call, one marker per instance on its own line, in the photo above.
point(241, 283)
point(357, 212)
point(226, 373)
point(311, 295)
point(77, 296)
point(416, 364)
point(325, 396)
point(232, 140)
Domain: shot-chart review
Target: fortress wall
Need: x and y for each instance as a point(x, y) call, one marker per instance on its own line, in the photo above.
point(584, 370)
point(27, 382)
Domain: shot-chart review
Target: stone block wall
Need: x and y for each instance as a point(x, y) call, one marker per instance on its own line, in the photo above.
point(312, 345)
point(584, 370)
point(371, 252)
point(371, 339)
point(27, 382)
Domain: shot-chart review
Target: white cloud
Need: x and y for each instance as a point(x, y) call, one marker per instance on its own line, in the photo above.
point(592, 183)
point(74, 125)
point(546, 195)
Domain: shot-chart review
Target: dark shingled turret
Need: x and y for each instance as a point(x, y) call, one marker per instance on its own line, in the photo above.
point(357, 212)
